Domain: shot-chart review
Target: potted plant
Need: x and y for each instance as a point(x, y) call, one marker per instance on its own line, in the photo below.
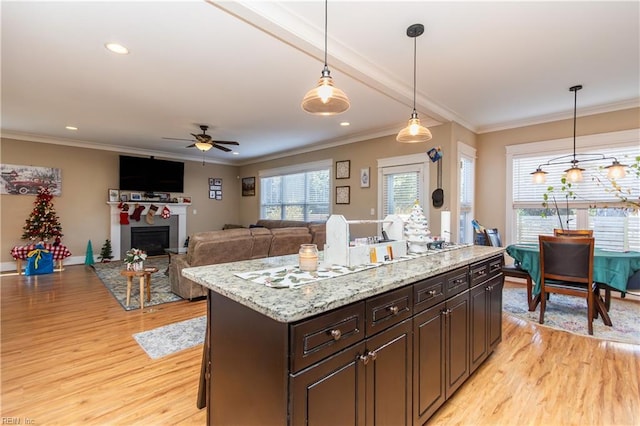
point(134, 259)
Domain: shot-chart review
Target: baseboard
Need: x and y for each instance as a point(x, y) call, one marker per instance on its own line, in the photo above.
point(71, 260)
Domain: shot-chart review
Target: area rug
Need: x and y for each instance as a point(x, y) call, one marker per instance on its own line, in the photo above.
point(109, 274)
point(569, 314)
point(166, 340)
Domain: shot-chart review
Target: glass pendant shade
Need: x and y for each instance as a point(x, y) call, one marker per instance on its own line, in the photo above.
point(574, 174)
point(539, 176)
point(616, 170)
point(203, 146)
point(325, 98)
point(414, 132)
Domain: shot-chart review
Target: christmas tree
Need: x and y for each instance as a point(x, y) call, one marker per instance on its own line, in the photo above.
point(417, 230)
point(43, 223)
point(106, 253)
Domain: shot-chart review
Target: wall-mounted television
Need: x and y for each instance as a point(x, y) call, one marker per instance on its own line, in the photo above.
point(151, 175)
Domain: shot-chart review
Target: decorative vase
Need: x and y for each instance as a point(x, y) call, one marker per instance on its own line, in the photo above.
point(308, 257)
point(138, 266)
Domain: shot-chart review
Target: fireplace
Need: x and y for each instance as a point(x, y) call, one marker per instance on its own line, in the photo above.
point(152, 239)
point(121, 234)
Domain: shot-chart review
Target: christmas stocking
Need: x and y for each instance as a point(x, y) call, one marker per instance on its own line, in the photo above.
point(151, 213)
point(137, 211)
point(165, 212)
point(124, 214)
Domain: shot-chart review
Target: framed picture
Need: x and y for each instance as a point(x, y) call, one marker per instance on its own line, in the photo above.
point(342, 194)
point(249, 186)
point(135, 196)
point(114, 195)
point(365, 177)
point(212, 194)
point(124, 198)
point(164, 196)
point(217, 181)
point(343, 169)
point(186, 200)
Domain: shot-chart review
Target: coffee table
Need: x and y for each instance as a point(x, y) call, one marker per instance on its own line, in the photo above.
point(145, 281)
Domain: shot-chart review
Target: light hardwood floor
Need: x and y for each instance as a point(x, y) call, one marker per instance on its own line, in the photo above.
point(68, 357)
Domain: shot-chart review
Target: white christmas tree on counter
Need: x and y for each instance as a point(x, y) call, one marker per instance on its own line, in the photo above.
point(417, 230)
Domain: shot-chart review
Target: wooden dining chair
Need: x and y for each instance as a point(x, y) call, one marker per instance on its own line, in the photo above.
point(566, 267)
point(492, 236)
point(573, 232)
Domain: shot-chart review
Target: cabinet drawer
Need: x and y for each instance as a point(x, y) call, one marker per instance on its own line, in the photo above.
point(317, 338)
point(388, 309)
point(485, 270)
point(456, 282)
point(428, 293)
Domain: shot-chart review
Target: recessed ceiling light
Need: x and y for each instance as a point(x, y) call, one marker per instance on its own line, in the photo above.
point(71, 128)
point(345, 123)
point(117, 48)
point(235, 153)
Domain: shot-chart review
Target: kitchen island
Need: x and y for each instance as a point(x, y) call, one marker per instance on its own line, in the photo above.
point(386, 345)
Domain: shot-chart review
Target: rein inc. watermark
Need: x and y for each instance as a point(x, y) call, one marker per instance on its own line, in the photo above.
point(17, 421)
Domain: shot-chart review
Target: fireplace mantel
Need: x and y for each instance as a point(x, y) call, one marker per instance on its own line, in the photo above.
point(177, 209)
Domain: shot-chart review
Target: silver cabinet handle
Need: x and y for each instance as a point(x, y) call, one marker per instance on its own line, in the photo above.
point(372, 355)
point(336, 334)
point(394, 310)
point(364, 359)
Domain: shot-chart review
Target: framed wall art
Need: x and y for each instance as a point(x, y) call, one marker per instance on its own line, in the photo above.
point(249, 186)
point(365, 177)
point(113, 196)
point(343, 169)
point(135, 196)
point(342, 194)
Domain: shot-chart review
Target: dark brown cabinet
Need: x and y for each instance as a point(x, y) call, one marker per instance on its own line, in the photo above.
point(390, 359)
point(486, 310)
point(441, 354)
point(366, 384)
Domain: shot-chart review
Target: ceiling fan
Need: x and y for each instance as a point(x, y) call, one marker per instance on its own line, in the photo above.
point(204, 142)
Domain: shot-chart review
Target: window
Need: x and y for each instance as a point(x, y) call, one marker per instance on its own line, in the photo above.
point(300, 192)
point(466, 159)
point(615, 227)
point(404, 180)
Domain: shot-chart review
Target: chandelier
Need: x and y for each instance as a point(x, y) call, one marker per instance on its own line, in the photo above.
point(574, 173)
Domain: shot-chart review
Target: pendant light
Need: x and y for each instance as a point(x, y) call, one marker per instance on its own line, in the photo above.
point(574, 173)
point(414, 132)
point(325, 98)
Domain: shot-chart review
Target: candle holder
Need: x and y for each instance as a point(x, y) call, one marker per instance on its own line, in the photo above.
point(308, 257)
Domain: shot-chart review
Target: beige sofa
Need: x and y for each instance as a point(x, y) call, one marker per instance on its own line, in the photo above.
point(317, 229)
point(231, 245)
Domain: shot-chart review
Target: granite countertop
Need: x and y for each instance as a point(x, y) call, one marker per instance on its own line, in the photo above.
point(293, 304)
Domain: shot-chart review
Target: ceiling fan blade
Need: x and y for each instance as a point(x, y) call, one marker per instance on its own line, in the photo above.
point(193, 145)
point(177, 139)
point(226, 142)
point(223, 148)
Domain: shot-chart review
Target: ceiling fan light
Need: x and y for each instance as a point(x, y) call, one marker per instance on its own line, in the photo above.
point(539, 176)
point(203, 146)
point(414, 132)
point(574, 174)
point(325, 98)
point(616, 170)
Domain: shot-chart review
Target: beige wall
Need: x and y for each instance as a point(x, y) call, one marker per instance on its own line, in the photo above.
point(361, 155)
point(491, 164)
point(87, 174)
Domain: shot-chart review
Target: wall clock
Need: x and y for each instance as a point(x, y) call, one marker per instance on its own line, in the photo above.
point(343, 169)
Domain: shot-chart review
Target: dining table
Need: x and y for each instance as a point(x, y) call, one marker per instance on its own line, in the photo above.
point(610, 267)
